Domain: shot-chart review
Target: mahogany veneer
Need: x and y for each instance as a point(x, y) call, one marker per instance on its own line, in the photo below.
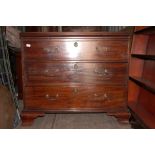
point(75, 72)
point(142, 76)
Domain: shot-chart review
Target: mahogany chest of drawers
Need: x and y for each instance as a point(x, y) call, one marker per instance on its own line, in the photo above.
point(74, 72)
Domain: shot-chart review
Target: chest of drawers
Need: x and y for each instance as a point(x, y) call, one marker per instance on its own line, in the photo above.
point(74, 72)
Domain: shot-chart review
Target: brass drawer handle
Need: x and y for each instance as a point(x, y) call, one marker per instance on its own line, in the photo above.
point(102, 49)
point(47, 96)
point(75, 90)
point(51, 49)
point(57, 70)
point(46, 71)
point(104, 97)
point(75, 44)
point(95, 95)
point(104, 73)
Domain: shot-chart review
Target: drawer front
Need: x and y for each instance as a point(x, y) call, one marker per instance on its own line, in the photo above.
point(75, 72)
point(75, 97)
point(49, 49)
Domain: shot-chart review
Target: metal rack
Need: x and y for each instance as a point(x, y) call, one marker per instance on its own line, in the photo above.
point(6, 74)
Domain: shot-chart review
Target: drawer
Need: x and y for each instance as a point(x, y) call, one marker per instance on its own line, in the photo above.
point(75, 97)
point(50, 49)
point(75, 72)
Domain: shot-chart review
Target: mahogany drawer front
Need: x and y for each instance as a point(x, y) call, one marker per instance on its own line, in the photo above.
point(103, 50)
point(72, 97)
point(75, 72)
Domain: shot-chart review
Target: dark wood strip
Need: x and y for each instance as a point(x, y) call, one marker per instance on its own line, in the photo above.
point(145, 57)
point(146, 30)
point(144, 84)
point(73, 34)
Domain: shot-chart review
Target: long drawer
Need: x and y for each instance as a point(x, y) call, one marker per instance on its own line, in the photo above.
point(75, 97)
point(75, 72)
point(76, 49)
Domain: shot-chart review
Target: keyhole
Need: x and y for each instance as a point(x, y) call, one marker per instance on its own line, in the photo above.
point(75, 66)
point(76, 44)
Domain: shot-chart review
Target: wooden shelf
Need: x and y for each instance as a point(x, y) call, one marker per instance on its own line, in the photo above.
point(146, 30)
point(146, 119)
point(143, 83)
point(133, 111)
point(141, 97)
point(145, 57)
point(139, 28)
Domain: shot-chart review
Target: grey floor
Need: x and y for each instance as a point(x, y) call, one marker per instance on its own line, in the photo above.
point(76, 121)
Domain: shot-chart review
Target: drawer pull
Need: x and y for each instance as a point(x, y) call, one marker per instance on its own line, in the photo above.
point(104, 73)
point(104, 97)
point(75, 90)
point(28, 45)
point(57, 70)
point(76, 44)
point(95, 95)
point(51, 49)
point(47, 96)
point(46, 71)
point(75, 66)
point(102, 49)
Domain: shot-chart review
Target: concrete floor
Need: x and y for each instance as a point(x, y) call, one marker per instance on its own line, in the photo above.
point(76, 121)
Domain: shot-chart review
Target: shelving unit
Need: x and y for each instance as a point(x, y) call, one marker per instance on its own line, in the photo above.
point(141, 94)
point(144, 57)
point(144, 30)
point(144, 84)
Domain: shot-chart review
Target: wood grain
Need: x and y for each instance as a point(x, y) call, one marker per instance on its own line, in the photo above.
point(75, 72)
point(142, 73)
point(72, 49)
point(76, 98)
